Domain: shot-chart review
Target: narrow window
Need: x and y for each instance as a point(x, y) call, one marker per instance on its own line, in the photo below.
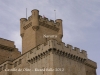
point(4, 67)
point(15, 64)
point(19, 61)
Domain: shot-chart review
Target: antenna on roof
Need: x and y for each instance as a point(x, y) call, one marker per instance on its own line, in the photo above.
point(55, 14)
point(26, 13)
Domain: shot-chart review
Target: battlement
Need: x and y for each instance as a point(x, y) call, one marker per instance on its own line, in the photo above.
point(69, 49)
point(91, 63)
point(60, 48)
point(50, 22)
point(76, 49)
point(35, 19)
point(7, 43)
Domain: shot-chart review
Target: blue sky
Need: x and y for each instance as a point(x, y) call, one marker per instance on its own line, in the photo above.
point(81, 21)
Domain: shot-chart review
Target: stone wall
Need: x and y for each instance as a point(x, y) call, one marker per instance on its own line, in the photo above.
point(55, 58)
point(8, 51)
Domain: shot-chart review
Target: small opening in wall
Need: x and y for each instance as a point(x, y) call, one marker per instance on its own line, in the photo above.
point(15, 64)
point(4, 67)
point(19, 61)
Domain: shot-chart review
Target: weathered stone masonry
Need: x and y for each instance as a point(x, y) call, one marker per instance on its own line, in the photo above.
point(43, 53)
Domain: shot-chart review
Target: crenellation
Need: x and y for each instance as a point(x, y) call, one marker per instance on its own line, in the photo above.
point(62, 49)
point(69, 49)
point(49, 22)
point(6, 47)
point(35, 20)
point(5, 42)
point(84, 52)
point(91, 63)
point(8, 50)
point(63, 45)
point(29, 18)
point(46, 19)
point(40, 17)
point(54, 51)
point(69, 46)
point(23, 20)
point(52, 21)
point(77, 49)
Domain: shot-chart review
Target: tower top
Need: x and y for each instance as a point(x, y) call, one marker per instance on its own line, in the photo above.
point(37, 29)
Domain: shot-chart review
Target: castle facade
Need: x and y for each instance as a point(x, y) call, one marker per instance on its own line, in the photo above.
point(43, 52)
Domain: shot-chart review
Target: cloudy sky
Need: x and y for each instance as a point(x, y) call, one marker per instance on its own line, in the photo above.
point(81, 21)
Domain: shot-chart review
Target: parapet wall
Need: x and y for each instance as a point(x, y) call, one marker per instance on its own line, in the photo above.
point(91, 63)
point(42, 21)
point(8, 50)
point(69, 49)
point(37, 20)
point(7, 43)
point(60, 49)
point(53, 44)
point(47, 21)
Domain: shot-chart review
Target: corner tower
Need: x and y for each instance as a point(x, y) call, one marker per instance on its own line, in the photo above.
point(37, 30)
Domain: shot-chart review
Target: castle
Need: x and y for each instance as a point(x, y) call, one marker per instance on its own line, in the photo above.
point(43, 52)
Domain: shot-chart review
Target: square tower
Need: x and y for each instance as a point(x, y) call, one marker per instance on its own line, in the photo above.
point(36, 30)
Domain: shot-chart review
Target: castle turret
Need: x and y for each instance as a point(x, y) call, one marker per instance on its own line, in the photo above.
point(35, 17)
point(60, 33)
point(22, 21)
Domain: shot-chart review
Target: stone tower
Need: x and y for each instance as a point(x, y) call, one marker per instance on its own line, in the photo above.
point(44, 53)
point(53, 53)
point(36, 30)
